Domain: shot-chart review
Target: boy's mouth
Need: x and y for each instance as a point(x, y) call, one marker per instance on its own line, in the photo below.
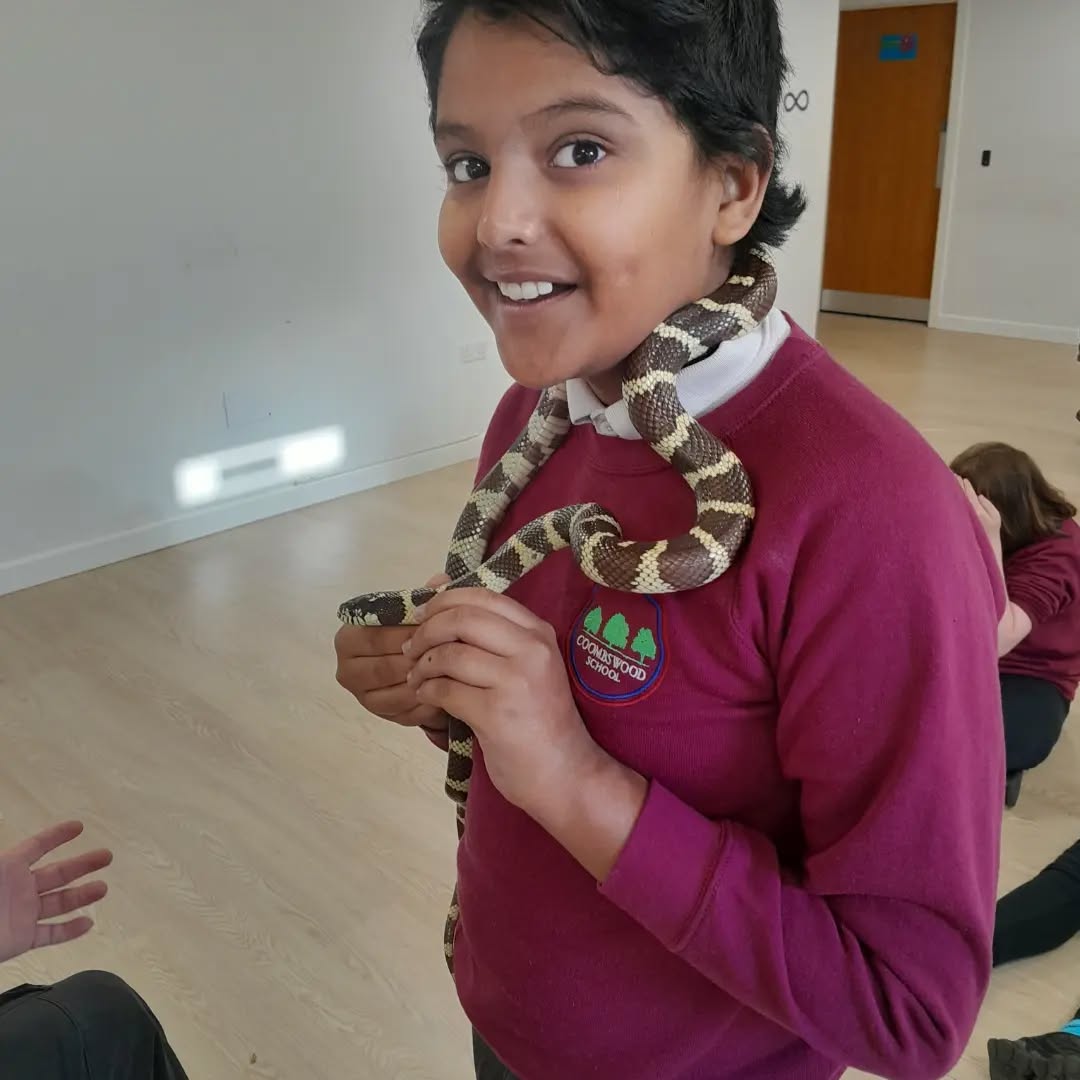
point(527, 293)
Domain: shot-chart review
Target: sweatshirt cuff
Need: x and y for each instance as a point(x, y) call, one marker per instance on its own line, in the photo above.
point(666, 867)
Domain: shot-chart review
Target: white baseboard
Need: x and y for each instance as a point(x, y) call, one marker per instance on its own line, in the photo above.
point(1057, 335)
point(90, 554)
point(905, 308)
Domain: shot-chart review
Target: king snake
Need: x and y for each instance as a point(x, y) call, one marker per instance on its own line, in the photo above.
point(725, 506)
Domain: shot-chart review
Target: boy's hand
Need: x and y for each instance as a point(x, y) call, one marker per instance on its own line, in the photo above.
point(488, 660)
point(371, 666)
point(29, 896)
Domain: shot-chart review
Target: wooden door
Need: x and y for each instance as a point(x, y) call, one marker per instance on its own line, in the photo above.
point(894, 73)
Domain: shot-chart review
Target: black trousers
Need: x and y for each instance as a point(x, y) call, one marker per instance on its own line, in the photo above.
point(1041, 914)
point(92, 1026)
point(1034, 712)
point(487, 1065)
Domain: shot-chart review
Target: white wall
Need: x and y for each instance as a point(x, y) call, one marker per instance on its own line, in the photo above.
point(1008, 249)
point(811, 29)
point(208, 198)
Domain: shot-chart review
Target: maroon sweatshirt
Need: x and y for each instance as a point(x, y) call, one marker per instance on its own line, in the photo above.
point(811, 882)
point(1043, 579)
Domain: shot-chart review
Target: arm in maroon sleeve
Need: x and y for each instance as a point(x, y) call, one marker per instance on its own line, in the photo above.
point(1043, 580)
point(876, 951)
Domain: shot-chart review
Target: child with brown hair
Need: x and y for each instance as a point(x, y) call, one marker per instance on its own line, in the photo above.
point(1034, 532)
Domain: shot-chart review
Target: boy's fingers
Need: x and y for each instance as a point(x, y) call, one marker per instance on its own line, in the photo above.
point(441, 738)
point(354, 641)
point(390, 703)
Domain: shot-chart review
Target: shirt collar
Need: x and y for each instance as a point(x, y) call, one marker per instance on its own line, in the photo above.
point(701, 387)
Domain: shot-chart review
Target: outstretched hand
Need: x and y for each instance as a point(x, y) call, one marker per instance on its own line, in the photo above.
point(29, 895)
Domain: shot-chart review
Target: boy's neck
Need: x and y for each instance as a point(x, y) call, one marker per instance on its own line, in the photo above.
point(607, 386)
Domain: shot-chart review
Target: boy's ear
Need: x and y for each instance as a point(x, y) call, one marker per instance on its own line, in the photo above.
point(744, 186)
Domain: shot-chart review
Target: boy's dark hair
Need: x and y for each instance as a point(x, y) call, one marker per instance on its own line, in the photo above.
point(1031, 508)
point(719, 65)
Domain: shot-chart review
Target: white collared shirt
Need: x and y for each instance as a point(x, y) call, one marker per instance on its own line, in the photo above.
point(701, 387)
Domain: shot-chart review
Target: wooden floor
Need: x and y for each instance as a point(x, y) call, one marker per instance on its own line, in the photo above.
point(283, 860)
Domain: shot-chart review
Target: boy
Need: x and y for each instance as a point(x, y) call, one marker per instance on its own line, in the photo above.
point(776, 853)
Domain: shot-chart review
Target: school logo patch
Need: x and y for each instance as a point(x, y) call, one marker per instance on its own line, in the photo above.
point(616, 650)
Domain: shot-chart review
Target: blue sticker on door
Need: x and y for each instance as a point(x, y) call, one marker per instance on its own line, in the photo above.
point(899, 47)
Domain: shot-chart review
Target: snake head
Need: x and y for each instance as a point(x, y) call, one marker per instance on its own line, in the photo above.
point(384, 608)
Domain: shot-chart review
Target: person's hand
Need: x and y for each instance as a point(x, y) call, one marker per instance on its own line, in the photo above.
point(488, 660)
point(28, 896)
point(372, 667)
point(988, 514)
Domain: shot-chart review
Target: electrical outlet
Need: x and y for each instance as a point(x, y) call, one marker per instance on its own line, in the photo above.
point(476, 353)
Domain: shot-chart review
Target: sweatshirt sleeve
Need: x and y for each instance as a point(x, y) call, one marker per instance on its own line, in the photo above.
point(1044, 580)
point(875, 946)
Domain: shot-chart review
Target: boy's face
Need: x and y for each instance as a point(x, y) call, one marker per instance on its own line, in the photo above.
point(578, 215)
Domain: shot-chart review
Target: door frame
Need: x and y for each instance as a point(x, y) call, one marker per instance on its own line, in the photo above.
point(951, 163)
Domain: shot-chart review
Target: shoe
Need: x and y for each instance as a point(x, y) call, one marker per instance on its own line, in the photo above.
point(1012, 788)
point(1047, 1057)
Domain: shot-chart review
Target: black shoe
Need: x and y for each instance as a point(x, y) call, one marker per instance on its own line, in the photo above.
point(1012, 788)
point(1046, 1057)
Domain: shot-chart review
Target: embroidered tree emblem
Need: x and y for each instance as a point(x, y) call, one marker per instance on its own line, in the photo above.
point(617, 632)
point(644, 645)
point(594, 620)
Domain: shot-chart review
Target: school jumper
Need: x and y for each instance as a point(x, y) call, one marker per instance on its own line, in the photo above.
point(811, 882)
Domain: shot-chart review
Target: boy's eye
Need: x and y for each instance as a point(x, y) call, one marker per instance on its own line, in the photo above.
point(577, 155)
point(466, 169)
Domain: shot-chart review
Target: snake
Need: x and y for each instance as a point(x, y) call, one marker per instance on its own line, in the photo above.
point(722, 491)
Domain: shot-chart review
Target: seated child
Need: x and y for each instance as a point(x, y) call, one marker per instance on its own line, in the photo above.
point(92, 1025)
point(1033, 528)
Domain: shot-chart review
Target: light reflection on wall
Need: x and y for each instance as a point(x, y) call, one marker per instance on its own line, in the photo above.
point(244, 470)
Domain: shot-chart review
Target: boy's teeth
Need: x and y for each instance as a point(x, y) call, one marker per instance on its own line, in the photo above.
point(526, 290)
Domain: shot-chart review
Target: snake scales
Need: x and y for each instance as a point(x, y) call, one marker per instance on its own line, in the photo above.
point(721, 487)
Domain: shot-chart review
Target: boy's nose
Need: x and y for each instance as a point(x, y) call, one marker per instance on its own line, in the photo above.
point(511, 213)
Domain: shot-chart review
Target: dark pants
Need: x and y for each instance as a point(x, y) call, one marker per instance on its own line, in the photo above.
point(1042, 914)
point(92, 1026)
point(1034, 712)
point(488, 1066)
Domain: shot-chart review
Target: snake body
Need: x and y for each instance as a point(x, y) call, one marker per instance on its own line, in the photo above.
point(722, 490)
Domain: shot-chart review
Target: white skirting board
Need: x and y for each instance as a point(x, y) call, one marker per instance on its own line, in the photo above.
point(88, 555)
point(906, 308)
point(1056, 335)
